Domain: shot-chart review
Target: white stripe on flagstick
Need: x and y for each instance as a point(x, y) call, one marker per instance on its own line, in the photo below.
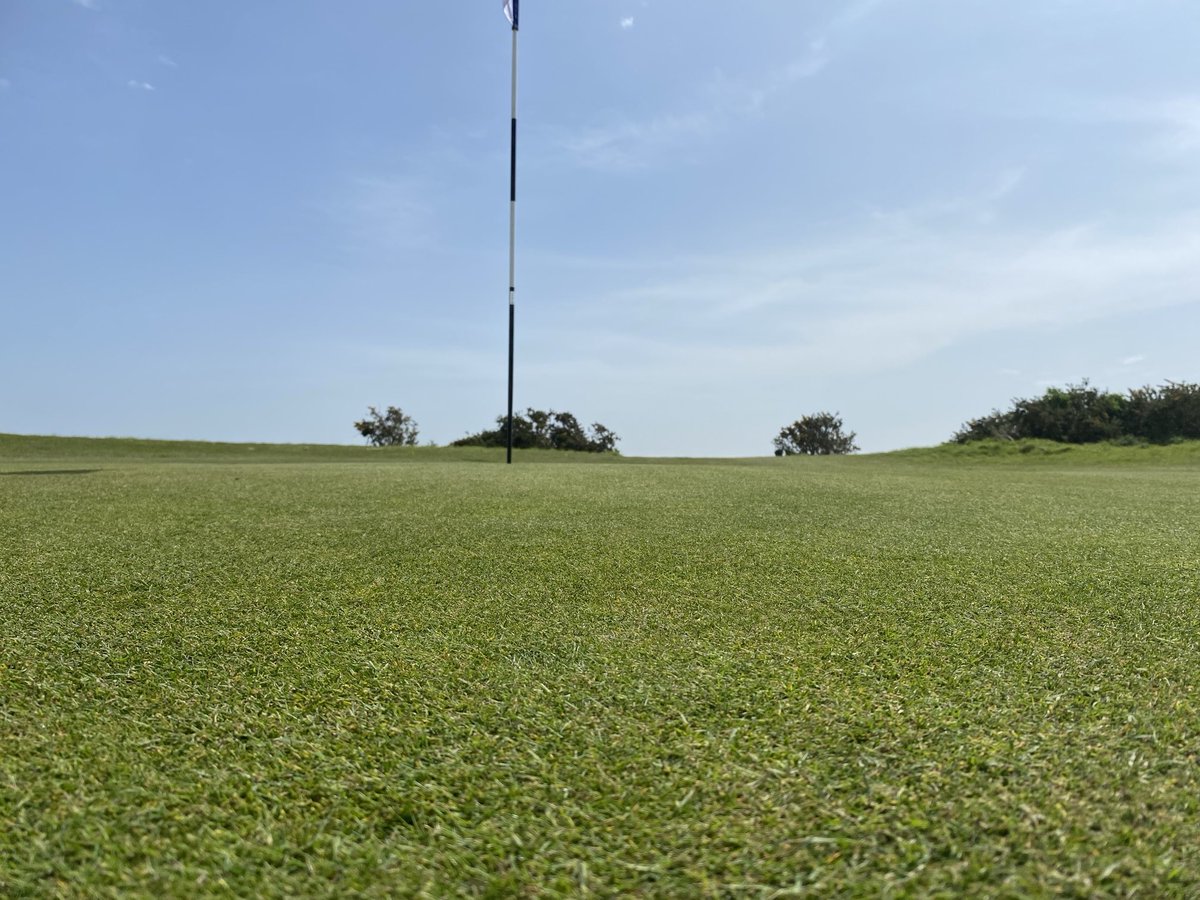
point(508, 11)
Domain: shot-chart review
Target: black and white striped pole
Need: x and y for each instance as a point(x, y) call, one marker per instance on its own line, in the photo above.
point(513, 9)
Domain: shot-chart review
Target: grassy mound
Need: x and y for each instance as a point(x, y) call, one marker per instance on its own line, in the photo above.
point(906, 674)
point(39, 448)
point(1030, 450)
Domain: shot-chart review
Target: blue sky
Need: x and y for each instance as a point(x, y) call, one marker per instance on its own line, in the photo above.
point(248, 221)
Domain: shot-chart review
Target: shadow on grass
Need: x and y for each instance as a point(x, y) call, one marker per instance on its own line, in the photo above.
point(53, 472)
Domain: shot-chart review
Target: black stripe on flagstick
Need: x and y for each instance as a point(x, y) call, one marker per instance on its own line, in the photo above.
point(512, 175)
point(516, 15)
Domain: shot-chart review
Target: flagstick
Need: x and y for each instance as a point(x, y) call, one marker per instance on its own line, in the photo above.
point(512, 228)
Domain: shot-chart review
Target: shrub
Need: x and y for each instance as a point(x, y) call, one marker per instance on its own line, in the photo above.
point(998, 426)
point(547, 430)
point(1081, 414)
point(391, 429)
point(816, 435)
point(1160, 414)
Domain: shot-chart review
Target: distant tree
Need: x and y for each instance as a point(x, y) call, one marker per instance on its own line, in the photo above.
point(1081, 414)
point(997, 426)
point(391, 429)
point(1077, 414)
point(545, 429)
point(603, 440)
point(1162, 414)
point(816, 435)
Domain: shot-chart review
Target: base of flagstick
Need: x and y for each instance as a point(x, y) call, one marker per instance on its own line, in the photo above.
point(511, 322)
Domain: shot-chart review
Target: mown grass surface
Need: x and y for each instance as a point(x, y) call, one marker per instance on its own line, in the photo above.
point(905, 675)
point(36, 448)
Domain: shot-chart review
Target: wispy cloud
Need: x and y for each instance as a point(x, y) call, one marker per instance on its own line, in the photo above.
point(980, 207)
point(753, 98)
point(136, 85)
point(87, 4)
point(394, 213)
point(853, 13)
point(632, 144)
point(818, 53)
point(1178, 120)
point(1170, 124)
point(1132, 360)
point(891, 294)
point(626, 145)
point(164, 60)
point(5, 84)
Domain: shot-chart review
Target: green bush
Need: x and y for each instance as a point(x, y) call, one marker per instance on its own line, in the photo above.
point(817, 435)
point(1078, 414)
point(1160, 414)
point(998, 426)
point(1082, 414)
point(546, 430)
point(395, 428)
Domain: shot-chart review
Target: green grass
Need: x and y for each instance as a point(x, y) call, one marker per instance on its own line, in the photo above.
point(1029, 451)
point(40, 449)
point(313, 671)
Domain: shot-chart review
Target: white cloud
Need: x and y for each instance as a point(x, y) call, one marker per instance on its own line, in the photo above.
point(888, 296)
point(164, 60)
point(753, 98)
point(393, 213)
point(627, 145)
point(1132, 360)
point(1009, 181)
point(139, 85)
point(632, 145)
point(1179, 121)
point(1172, 123)
point(977, 207)
point(853, 14)
point(87, 4)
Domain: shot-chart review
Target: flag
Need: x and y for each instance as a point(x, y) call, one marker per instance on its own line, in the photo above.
point(510, 12)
